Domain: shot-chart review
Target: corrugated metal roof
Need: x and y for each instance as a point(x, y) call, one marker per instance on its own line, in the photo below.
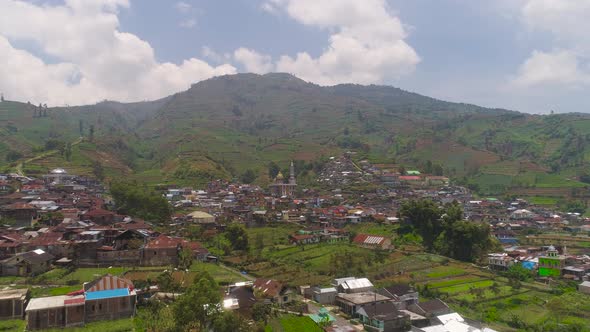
point(105, 294)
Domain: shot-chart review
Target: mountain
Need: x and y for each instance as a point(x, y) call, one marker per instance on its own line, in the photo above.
point(226, 125)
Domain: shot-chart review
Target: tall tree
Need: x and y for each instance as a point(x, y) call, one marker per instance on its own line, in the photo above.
point(236, 234)
point(425, 217)
point(199, 305)
point(91, 133)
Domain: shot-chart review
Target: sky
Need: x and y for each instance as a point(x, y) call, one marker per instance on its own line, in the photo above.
point(525, 55)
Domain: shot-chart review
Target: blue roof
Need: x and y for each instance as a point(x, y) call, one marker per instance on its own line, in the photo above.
point(106, 294)
point(528, 265)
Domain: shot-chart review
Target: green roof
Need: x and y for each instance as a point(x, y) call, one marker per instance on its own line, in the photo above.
point(413, 172)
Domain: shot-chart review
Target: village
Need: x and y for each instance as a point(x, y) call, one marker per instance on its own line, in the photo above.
point(60, 224)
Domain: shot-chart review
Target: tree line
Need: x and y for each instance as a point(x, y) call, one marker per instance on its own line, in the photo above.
point(444, 231)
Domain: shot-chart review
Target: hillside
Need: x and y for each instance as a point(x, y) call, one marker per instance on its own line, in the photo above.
point(225, 125)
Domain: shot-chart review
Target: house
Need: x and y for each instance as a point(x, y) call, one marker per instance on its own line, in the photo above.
point(100, 216)
point(22, 214)
point(372, 241)
point(105, 298)
point(304, 238)
point(273, 291)
point(551, 264)
point(162, 251)
point(354, 285)
point(12, 303)
point(584, 287)
point(240, 297)
point(108, 298)
point(324, 295)
point(351, 303)
point(430, 309)
point(383, 317)
point(55, 312)
point(500, 261)
point(403, 294)
point(27, 264)
point(201, 218)
point(10, 244)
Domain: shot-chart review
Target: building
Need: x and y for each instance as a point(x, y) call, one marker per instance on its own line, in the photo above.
point(351, 303)
point(383, 317)
point(324, 295)
point(404, 295)
point(273, 291)
point(584, 287)
point(22, 215)
point(55, 312)
point(281, 189)
point(551, 264)
point(500, 261)
point(201, 218)
point(27, 264)
point(12, 303)
point(105, 298)
point(372, 241)
point(162, 251)
point(356, 285)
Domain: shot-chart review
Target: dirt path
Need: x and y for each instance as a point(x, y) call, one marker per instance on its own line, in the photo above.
point(19, 166)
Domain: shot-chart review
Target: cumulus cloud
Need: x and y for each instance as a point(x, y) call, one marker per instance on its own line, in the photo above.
point(567, 23)
point(557, 67)
point(253, 61)
point(183, 7)
point(96, 60)
point(367, 42)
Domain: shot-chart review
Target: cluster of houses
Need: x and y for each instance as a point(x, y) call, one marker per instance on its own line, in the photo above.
point(61, 220)
point(390, 309)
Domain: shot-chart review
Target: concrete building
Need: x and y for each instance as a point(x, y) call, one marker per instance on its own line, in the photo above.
point(12, 303)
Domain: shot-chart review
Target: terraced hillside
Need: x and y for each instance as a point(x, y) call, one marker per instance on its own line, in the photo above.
point(226, 125)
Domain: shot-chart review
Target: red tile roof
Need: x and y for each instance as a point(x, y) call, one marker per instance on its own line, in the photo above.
point(268, 287)
point(368, 239)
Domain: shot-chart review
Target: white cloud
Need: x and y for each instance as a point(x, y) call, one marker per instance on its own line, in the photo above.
point(557, 67)
point(367, 42)
point(253, 61)
point(208, 53)
point(567, 22)
point(96, 60)
point(183, 7)
point(189, 23)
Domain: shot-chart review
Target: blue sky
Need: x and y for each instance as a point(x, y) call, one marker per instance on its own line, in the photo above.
point(527, 55)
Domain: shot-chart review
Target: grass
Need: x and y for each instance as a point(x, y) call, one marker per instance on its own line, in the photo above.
point(12, 325)
point(291, 323)
point(540, 200)
point(79, 276)
point(445, 271)
point(119, 325)
point(452, 282)
point(460, 288)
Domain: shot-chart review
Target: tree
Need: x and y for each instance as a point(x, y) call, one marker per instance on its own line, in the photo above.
point(68, 151)
point(166, 282)
point(185, 259)
point(273, 170)
point(261, 312)
point(518, 272)
point(424, 216)
point(229, 321)
point(236, 234)
point(249, 176)
point(81, 127)
point(199, 305)
point(98, 170)
point(1, 97)
point(13, 156)
point(134, 200)
point(91, 133)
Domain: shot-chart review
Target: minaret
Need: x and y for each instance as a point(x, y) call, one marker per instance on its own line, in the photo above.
point(292, 174)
